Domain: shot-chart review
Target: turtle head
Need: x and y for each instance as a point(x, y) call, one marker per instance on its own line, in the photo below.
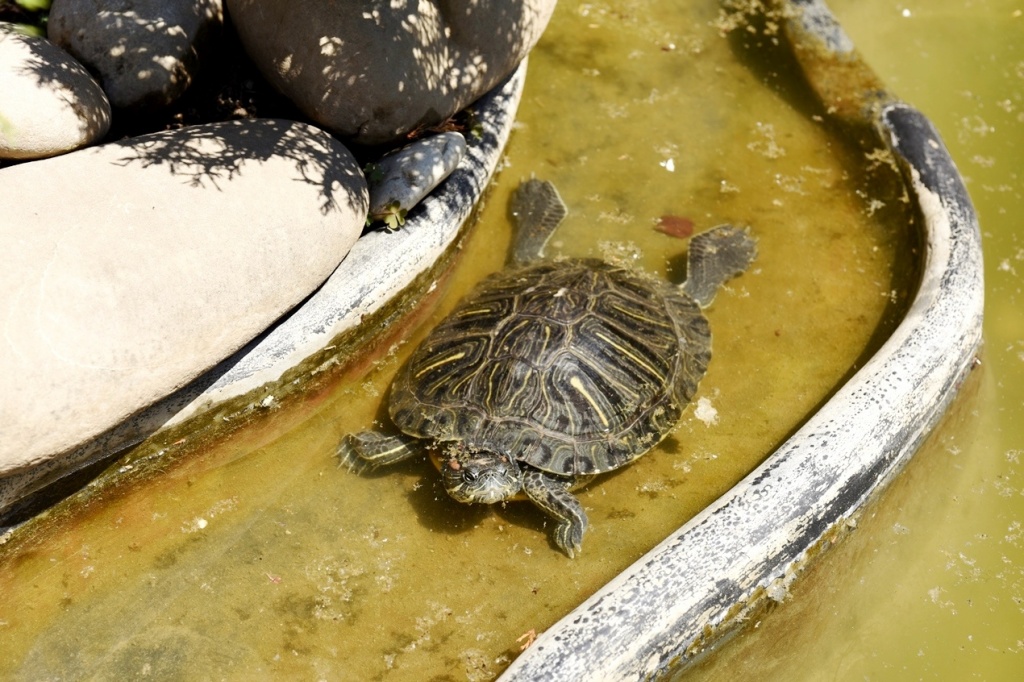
point(478, 476)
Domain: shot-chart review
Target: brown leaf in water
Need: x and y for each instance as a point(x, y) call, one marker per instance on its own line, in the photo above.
point(675, 226)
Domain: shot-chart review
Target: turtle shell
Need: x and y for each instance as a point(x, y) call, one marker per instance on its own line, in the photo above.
point(574, 367)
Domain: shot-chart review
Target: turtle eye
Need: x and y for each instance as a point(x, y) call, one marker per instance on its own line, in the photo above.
point(469, 476)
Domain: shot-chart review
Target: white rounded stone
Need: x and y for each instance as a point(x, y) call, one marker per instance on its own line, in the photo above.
point(49, 104)
point(133, 267)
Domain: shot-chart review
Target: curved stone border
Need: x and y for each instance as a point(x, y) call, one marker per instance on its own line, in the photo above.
point(699, 582)
point(377, 269)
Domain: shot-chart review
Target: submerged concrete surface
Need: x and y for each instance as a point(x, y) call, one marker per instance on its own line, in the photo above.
point(379, 267)
point(700, 583)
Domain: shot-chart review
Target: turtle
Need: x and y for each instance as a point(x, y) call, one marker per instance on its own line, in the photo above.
point(553, 371)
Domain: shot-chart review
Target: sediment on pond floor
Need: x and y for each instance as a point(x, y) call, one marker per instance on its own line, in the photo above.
point(295, 568)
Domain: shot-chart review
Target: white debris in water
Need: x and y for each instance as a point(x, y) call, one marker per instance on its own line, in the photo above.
point(1013, 534)
point(615, 110)
point(684, 467)
point(653, 487)
point(706, 412)
point(669, 165)
point(790, 183)
point(195, 525)
point(198, 523)
point(626, 254)
point(937, 597)
point(873, 206)
point(617, 216)
point(476, 666)
point(973, 126)
point(777, 592)
point(765, 143)
point(338, 582)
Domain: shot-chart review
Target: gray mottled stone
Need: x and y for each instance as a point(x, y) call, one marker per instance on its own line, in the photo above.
point(146, 52)
point(143, 263)
point(372, 70)
point(49, 104)
point(401, 179)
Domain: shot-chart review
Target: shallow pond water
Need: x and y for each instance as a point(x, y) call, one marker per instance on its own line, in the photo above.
point(256, 556)
point(931, 584)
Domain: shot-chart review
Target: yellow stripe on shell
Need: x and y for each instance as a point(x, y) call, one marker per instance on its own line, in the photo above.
point(581, 389)
point(630, 354)
point(438, 363)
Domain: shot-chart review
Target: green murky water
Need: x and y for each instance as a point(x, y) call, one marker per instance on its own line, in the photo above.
point(931, 585)
point(257, 557)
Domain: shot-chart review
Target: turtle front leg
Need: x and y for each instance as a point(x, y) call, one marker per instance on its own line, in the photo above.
point(551, 494)
point(537, 210)
point(370, 450)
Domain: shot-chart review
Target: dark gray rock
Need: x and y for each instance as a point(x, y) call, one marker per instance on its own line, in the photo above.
point(372, 71)
point(146, 52)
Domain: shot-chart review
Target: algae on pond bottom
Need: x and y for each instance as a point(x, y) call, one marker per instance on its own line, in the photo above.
point(257, 556)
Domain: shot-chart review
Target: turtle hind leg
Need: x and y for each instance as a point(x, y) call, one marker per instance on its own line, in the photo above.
point(714, 257)
point(551, 494)
point(536, 210)
point(370, 450)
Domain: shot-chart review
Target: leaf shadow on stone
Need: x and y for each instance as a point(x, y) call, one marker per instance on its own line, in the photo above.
point(64, 77)
point(145, 53)
point(393, 71)
point(216, 153)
